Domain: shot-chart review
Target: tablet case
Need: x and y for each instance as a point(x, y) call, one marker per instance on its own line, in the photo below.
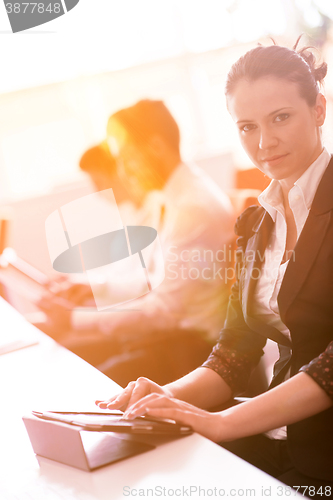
point(86, 450)
point(111, 422)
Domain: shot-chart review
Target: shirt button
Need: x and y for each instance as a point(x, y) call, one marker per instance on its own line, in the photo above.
point(297, 197)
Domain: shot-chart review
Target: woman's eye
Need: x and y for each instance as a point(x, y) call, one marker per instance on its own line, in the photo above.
point(247, 127)
point(281, 117)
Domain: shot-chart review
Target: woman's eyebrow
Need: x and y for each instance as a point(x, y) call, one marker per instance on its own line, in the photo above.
point(280, 109)
point(270, 114)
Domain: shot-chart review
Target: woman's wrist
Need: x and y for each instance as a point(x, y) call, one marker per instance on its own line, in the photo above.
point(225, 428)
point(235, 423)
point(170, 390)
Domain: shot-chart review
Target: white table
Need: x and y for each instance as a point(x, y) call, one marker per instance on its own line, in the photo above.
point(47, 376)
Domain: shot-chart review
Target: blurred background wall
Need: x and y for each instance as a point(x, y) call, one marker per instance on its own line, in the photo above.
point(175, 50)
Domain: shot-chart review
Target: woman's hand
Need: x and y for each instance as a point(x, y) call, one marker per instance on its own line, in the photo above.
point(134, 392)
point(207, 424)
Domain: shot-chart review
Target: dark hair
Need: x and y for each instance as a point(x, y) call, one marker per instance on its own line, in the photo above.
point(98, 159)
point(148, 118)
point(298, 66)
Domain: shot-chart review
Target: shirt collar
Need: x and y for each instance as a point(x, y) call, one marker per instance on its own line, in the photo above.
point(309, 181)
point(272, 199)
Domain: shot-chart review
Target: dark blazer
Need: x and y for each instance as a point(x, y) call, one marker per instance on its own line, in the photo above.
point(306, 307)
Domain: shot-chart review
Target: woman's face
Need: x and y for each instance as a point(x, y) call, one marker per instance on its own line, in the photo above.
point(278, 129)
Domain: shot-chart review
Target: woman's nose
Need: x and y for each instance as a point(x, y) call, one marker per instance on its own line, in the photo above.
point(267, 139)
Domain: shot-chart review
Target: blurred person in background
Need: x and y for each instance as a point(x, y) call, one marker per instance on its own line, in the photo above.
point(101, 168)
point(174, 326)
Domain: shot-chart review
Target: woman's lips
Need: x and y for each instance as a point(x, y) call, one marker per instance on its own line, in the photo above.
point(274, 160)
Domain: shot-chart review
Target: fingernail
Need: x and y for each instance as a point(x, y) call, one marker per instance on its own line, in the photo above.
point(136, 413)
point(128, 416)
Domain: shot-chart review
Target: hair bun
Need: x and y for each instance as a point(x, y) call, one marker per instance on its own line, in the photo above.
point(318, 72)
point(299, 66)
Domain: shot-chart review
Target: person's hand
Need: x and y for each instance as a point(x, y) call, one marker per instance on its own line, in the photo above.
point(155, 405)
point(57, 313)
point(58, 300)
point(132, 393)
point(76, 294)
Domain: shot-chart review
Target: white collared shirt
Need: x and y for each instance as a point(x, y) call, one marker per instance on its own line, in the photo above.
point(300, 199)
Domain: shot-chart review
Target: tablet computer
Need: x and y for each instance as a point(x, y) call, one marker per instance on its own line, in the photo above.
point(85, 450)
point(113, 421)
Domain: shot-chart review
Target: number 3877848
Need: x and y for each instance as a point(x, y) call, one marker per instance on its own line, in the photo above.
point(32, 7)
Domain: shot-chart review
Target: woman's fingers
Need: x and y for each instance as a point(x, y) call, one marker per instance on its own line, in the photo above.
point(179, 415)
point(142, 388)
point(119, 401)
point(152, 401)
point(144, 397)
point(104, 404)
point(160, 406)
point(131, 395)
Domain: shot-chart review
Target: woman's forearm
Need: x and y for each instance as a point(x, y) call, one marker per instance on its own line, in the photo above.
point(203, 388)
point(296, 399)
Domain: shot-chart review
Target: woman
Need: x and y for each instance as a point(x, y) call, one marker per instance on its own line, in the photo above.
point(273, 97)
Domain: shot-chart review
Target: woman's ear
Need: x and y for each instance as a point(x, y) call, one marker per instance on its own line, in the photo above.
point(320, 109)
